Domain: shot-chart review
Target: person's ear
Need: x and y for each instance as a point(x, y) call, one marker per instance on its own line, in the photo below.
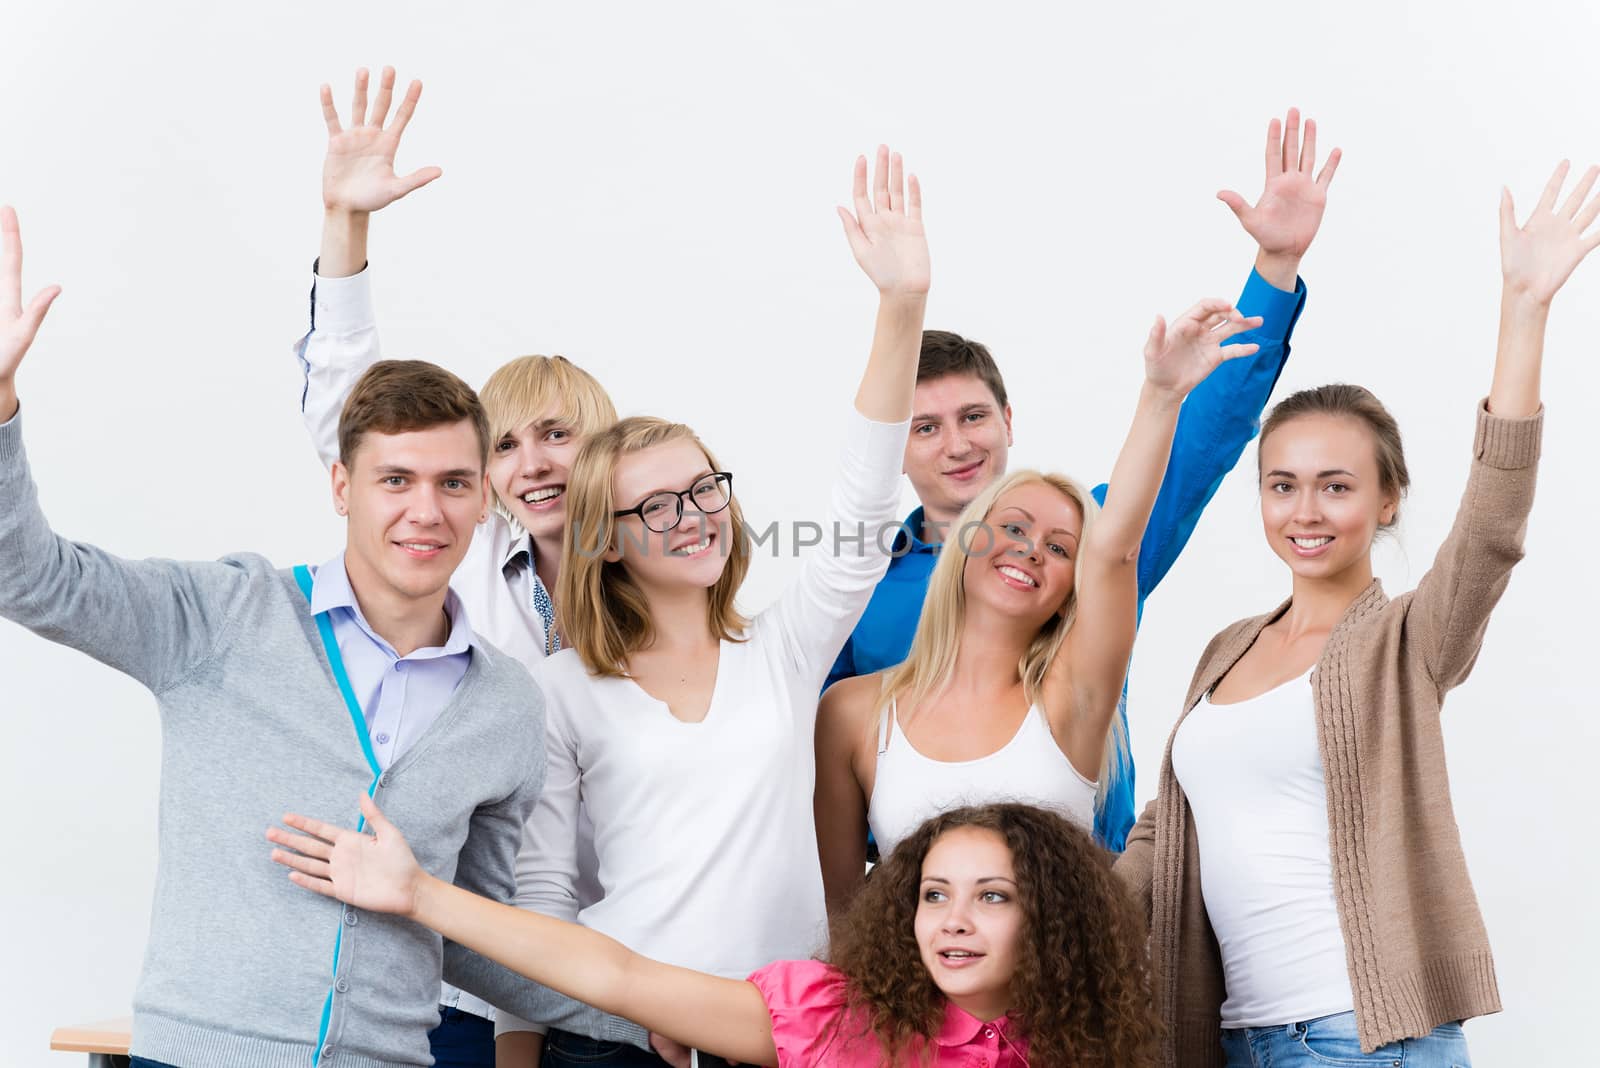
point(1009, 438)
point(341, 488)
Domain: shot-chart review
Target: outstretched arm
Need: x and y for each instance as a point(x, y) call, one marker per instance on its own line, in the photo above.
point(1450, 610)
point(1083, 682)
point(377, 872)
point(358, 178)
point(816, 614)
point(1222, 414)
point(151, 619)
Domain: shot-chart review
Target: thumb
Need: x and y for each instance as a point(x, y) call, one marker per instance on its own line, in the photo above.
point(1236, 203)
point(1157, 339)
point(34, 315)
point(1508, 213)
point(374, 815)
point(416, 180)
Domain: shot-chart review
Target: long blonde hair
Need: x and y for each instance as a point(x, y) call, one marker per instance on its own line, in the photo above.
point(601, 611)
point(928, 668)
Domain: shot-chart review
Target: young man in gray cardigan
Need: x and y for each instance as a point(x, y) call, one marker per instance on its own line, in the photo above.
point(301, 688)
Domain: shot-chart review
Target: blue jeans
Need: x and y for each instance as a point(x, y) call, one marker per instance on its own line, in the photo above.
point(462, 1040)
point(140, 1062)
point(1331, 1040)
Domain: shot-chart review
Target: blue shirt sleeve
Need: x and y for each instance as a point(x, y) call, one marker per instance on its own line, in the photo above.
point(1217, 421)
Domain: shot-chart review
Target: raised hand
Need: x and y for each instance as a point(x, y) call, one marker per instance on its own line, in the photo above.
point(18, 325)
point(1286, 217)
point(1539, 256)
point(885, 232)
point(358, 174)
point(374, 871)
point(1178, 358)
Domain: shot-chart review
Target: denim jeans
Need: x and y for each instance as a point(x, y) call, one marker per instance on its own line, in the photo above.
point(1331, 1041)
point(462, 1040)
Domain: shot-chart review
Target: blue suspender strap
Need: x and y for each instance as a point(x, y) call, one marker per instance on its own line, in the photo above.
point(302, 576)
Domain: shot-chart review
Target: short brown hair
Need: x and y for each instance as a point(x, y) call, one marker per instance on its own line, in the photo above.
point(945, 353)
point(1350, 402)
point(395, 396)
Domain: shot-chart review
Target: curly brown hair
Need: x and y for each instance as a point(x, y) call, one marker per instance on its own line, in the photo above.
point(1082, 992)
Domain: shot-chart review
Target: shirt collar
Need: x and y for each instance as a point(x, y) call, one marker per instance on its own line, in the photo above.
point(519, 544)
point(330, 589)
point(911, 535)
point(961, 1027)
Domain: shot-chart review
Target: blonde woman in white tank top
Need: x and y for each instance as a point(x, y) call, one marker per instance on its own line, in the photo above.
point(1002, 697)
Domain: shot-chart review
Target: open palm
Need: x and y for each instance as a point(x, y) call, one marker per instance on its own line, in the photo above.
point(1539, 256)
point(358, 173)
point(375, 871)
point(885, 232)
point(1286, 217)
point(1178, 358)
point(18, 324)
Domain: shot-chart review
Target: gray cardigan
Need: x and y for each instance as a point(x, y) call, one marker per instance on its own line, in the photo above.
point(242, 967)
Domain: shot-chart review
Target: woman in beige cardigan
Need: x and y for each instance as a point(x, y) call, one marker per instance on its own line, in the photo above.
point(1309, 897)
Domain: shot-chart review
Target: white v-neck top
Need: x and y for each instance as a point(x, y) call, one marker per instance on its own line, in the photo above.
point(703, 832)
point(1252, 773)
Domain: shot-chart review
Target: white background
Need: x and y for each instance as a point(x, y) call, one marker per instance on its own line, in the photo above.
point(649, 189)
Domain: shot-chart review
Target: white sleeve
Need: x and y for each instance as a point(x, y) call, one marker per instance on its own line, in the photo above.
point(816, 614)
point(547, 862)
point(341, 344)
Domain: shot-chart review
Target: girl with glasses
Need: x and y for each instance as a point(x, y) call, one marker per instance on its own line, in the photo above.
point(680, 729)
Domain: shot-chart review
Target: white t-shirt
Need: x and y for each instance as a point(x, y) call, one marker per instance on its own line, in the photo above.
point(704, 832)
point(1252, 774)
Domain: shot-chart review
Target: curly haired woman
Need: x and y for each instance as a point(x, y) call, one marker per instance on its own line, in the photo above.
point(996, 932)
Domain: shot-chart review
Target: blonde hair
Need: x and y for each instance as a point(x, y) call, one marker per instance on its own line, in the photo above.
point(601, 611)
point(543, 387)
point(927, 669)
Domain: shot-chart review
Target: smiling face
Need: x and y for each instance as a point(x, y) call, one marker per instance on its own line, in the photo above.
point(692, 554)
point(528, 469)
point(1022, 563)
point(969, 921)
point(1322, 498)
point(413, 500)
point(960, 437)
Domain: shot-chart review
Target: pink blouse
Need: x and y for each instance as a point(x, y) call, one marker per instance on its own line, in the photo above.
point(806, 999)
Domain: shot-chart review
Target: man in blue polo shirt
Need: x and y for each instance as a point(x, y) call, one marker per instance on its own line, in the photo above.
point(961, 432)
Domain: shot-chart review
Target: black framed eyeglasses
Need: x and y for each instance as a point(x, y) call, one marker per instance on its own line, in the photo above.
point(663, 511)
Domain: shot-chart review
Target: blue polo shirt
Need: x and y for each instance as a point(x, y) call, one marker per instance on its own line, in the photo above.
point(1215, 424)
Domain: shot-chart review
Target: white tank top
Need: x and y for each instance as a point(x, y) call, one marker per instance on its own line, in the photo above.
point(1252, 774)
point(1031, 768)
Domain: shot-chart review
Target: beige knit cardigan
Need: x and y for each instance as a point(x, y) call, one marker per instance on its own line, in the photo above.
point(1415, 943)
